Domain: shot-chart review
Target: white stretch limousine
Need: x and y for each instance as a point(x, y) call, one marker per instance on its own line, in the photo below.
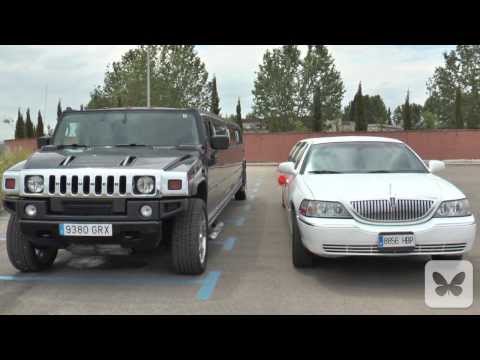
point(371, 196)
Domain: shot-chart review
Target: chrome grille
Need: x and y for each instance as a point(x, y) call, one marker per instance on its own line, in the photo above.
point(106, 185)
point(373, 249)
point(392, 210)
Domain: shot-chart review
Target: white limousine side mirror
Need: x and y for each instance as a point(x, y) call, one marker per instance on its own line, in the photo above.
point(436, 166)
point(287, 168)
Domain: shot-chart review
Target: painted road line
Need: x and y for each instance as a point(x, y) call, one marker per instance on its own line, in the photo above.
point(229, 243)
point(208, 282)
point(209, 285)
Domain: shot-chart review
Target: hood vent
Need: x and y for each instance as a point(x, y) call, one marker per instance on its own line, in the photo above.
point(127, 161)
point(67, 161)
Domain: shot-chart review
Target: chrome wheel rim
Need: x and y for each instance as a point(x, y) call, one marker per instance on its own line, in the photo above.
point(202, 240)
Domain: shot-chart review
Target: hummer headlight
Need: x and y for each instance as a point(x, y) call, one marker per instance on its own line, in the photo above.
point(34, 184)
point(145, 184)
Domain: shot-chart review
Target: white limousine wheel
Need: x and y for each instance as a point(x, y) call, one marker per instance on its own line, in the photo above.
point(302, 258)
point(22, 254)
point(189, 239)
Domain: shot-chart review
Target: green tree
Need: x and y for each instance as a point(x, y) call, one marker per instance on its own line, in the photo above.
point(20, 126)
point(374, 108)
point(358, 111)
point(276, 88)
point(214, 99)
point(389, 116)
point(317, 111)
point(39, 128)
point(430, 120)
point(473, 116)
point(285, 84)
point(458, 110)
point(29, 126)
point(238, 117)
point(407, 113)
point(461, 70)
point(178, 78)
point(59, 109)
point(319, 75)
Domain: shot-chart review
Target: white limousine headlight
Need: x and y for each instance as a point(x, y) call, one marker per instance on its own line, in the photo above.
point(34, 184)
point(323, 209)
point(454, 208)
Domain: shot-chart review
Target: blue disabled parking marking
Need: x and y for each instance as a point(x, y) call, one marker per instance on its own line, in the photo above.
point(209, 285)
point(229, 243)
point(208, 282)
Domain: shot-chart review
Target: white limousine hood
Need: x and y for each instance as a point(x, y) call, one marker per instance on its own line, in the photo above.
point(351, 187)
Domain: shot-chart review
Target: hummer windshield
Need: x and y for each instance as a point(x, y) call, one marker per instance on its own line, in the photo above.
point(127, 127)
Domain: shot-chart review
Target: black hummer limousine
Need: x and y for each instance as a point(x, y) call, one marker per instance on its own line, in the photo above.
point(132, 177)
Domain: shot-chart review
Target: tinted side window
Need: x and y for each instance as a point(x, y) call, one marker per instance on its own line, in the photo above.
point(290, 156)
point(220, 128)
point(297, 151)
point(238, 137)
point(300, 154)
point(208, 126)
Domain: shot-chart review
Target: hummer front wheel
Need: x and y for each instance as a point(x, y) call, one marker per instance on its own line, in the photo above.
point(21, 252)
point(189, 239)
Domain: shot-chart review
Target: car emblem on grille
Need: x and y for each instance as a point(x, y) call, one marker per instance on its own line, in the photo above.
point(393, 202)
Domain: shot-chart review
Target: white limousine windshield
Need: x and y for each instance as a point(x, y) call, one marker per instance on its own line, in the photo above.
point(361, 157)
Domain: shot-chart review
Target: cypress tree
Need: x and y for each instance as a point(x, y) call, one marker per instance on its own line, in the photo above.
point(59, 110)
point(39, 128)
point(317, 111)
point(458, 110)
point(238, 117)
point(407, 113)
point(20, 126)
point(29, 126)
point(359, 111)
point(473, 117)
point(214, 101)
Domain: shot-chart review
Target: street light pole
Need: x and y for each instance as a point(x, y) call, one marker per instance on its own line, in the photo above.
point(148, 78)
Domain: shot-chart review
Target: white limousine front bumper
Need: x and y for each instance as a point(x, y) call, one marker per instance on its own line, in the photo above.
point(345, 237)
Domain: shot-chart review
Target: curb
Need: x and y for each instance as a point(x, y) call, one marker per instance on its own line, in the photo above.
point(462, 162)
point(262, 164)
point(448, 162)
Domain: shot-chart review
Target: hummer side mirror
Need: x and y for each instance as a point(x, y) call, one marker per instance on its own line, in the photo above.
point(43, 141)
point(220, 142)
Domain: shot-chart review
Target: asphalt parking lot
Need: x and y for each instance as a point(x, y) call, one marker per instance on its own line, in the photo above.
point(250, 272)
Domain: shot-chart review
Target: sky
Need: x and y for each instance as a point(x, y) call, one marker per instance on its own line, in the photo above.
point(38, 76)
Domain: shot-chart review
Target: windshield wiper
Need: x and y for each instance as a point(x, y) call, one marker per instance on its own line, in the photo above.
point(188, 147)
point(131, 145)
point(324, 172)
point(63, 146)
point(379, 172)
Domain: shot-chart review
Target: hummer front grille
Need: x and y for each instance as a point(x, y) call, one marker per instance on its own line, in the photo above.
point(394, 210)
point(113, 185)
point(91, 183)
